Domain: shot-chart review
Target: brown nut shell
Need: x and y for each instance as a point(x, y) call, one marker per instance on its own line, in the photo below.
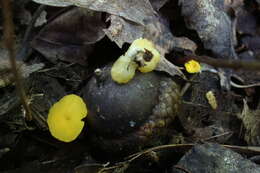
point(129, 116)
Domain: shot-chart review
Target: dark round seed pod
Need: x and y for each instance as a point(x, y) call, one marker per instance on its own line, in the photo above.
point(123, 118)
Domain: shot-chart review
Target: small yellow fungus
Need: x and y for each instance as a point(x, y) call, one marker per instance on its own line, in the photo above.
point(142, 54)
point(212, 100)
point(192, 66)
point(65, 118)
point(123, 70)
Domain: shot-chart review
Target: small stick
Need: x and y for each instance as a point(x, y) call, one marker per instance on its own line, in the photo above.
point(227, 63)
point(9, 43)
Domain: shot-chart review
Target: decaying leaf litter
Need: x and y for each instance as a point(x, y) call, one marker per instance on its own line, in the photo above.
point(73, 38)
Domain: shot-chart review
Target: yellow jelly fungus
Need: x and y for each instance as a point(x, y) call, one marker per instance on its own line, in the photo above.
point(142, 54)
point(192, 66)
point(145, 46)
point(65, 118)
point(123, 70)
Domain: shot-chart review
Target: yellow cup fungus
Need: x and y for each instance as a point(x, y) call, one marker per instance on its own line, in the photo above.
point(141, 55)
point(65, 118)
point(192, 66)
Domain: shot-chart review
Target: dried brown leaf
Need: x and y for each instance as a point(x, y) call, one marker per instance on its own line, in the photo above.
point(134, 10)
point(70, 36)
point(124, 31)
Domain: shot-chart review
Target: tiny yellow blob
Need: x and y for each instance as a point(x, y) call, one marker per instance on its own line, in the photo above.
point(123, 70)
point(212, 100)
point(65, 118)
point(192, 66)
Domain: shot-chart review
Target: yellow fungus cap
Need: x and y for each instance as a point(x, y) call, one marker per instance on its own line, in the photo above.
point(192, 66)
point(145, 45)
point(65, 118)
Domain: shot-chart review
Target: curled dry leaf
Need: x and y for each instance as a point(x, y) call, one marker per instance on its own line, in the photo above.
point(116, 7)
point(70, 36)
point(212, 24)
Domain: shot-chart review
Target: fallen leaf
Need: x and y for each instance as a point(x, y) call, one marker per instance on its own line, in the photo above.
point(212, 24)
point(116, 7)
point(70, 36)
point(157, 4)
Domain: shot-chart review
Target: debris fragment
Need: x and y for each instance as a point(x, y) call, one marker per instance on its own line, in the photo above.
point(212, 99)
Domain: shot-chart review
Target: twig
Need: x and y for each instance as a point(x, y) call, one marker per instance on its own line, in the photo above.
point(217, 136)
point(187, 85)
point(227, 63)
point(25, 51)
point(9, 43)
point(181, 168)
